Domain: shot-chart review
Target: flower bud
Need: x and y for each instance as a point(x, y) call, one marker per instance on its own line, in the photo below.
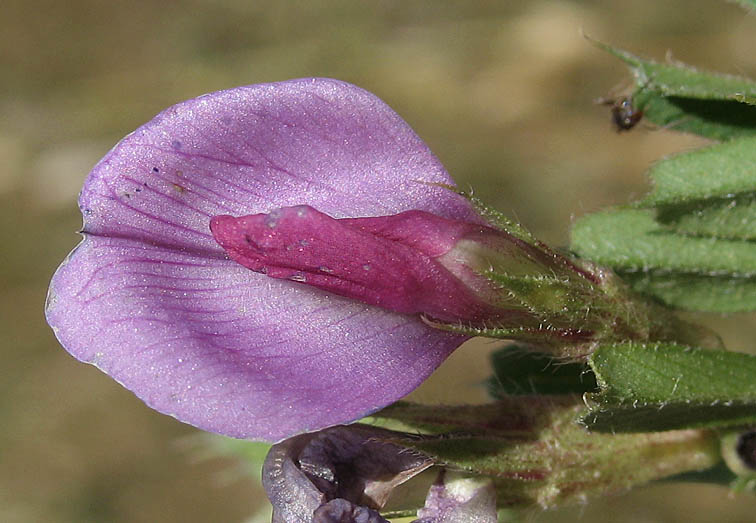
point(411, 263)
point(337, 473)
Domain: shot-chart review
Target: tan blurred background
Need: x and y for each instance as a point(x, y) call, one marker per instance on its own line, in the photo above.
point(502, 91)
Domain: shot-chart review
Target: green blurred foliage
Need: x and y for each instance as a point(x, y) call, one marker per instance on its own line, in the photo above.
point(502, 92)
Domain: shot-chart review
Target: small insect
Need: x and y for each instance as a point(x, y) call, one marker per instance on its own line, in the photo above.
point(624, 114)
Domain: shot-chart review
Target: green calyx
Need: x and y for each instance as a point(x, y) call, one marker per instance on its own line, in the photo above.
point(559, 302)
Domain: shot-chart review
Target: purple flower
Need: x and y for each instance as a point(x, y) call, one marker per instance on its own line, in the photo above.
point(153, 300)
point(340, 474)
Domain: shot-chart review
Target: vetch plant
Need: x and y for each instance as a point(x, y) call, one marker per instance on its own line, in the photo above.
point(274, 261)
point(159, 294)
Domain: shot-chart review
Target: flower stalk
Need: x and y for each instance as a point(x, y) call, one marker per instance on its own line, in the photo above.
point(537, 455)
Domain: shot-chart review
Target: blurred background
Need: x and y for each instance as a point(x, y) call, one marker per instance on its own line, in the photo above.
point(502, 91)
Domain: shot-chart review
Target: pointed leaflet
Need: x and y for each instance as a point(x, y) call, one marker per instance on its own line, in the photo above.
point(716, 172)
point(729, 218)
point(682, 98)
point(691, 246)
point(719, 273)
point(708, 192)
point(647, 387)
point(520, 371)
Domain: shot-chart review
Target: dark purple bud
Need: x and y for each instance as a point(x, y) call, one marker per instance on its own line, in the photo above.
point(354, 464)
point(342, 511)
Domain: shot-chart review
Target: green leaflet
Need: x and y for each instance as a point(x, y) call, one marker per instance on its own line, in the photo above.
point(694, 292)
point(518, 371)
point(719, 171)
point(631, 240)
point(695, 251)
point(696, 273)
point(652, 387)
point(728, 218)
point(692, 247)
point(716, 119)
point(680, 97)
point(709, 192)
point(678, 79)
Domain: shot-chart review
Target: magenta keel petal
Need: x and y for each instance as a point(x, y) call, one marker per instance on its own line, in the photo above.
point(387, 261)
point(150, 298)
